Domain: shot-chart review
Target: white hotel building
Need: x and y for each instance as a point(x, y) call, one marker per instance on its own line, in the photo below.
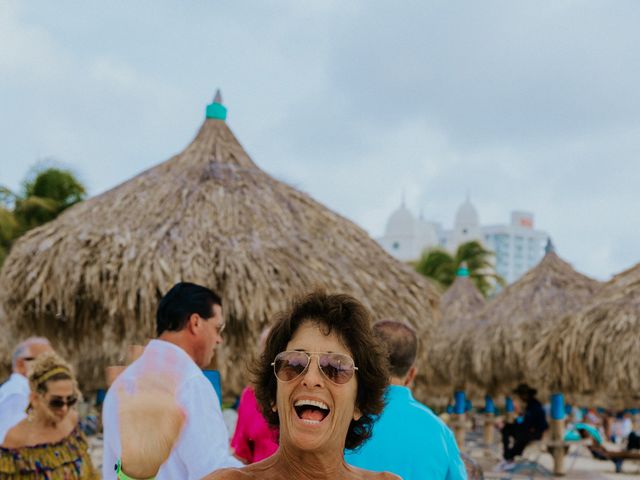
point(518, 245)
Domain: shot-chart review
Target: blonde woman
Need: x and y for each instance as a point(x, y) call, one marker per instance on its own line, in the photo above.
point(48, 443)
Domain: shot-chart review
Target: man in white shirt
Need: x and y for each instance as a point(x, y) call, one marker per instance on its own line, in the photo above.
point(14, 393)
point(189, 325)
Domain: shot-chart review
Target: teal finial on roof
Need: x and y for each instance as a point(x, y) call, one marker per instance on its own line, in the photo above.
point(549, 248)
point(463, 270)
point(217, 110)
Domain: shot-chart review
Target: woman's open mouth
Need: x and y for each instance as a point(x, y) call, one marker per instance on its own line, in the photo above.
point(311, 412)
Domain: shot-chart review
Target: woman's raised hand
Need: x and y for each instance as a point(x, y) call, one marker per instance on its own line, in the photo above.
point(150, 423)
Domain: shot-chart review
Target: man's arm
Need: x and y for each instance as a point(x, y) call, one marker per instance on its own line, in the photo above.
point(204, 442)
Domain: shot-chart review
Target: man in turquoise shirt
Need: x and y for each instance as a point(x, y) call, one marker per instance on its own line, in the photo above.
point(408, 439)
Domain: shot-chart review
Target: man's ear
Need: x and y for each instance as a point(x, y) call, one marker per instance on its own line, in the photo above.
point(411, 376)
point(21, 367)
point(193, 323)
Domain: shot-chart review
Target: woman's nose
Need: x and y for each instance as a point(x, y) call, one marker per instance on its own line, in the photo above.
point(313, 375)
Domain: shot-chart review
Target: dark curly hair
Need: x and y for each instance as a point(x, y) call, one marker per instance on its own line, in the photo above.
point(351, 321)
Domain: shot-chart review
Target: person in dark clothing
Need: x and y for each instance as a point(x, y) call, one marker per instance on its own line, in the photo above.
point(633, 441)
point(516, 436)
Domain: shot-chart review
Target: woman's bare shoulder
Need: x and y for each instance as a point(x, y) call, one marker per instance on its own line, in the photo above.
point(384, 476)
point(369, 475)
point(229, 474)
point(16, 436)
point(388, 476)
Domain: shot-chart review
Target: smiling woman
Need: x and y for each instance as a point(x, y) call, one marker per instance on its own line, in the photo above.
point(321, 379)
point(48, 442)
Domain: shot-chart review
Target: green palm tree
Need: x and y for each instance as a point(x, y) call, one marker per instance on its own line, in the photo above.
point(45, 194)
point(8, 231)
point(441, 266)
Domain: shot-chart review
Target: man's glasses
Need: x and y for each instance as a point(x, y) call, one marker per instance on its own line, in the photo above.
point(58, 402)
point(221, 327)
point(337, 367)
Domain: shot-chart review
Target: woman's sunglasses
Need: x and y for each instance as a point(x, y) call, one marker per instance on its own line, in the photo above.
point(336, 367)
point(58, 403)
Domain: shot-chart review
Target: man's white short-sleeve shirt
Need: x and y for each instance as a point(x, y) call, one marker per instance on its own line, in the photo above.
point(14, 400)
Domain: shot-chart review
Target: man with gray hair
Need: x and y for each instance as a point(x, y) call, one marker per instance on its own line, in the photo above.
point(408, 439)
point(14, 393)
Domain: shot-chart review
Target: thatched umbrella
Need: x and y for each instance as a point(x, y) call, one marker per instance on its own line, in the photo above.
point(515, 317)
point(5, 347)
point(447, 353)
point(596, 350)
point(446, 356)
point(91, 279)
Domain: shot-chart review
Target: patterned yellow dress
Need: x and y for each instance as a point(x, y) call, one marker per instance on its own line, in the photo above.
point(67, 459)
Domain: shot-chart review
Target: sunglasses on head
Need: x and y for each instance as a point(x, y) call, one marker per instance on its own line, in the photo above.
point(59, 402)
point(337, 367)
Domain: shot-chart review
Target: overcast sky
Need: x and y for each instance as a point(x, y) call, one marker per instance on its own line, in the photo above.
point(527, 105)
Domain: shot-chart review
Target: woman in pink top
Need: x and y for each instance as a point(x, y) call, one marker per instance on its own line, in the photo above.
point(253, 439)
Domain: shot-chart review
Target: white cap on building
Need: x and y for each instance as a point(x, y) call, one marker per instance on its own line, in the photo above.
point(467, 215)
point(467, 225)
point(406, 237)
point(401, 222)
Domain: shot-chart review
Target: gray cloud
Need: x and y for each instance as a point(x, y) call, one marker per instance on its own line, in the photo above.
point(525, 105)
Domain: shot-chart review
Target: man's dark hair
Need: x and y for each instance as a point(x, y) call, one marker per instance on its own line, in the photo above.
point(350, 320)
point(179, 303)
point(401, 343)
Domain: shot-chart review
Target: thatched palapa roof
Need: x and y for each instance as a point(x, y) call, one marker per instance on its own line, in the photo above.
point(91, 279)
point(5, 346)
point(448, 352)
point(596, 350)
point(516, 316)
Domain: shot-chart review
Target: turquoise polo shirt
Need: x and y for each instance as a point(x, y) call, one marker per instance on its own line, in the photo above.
point(411, 441)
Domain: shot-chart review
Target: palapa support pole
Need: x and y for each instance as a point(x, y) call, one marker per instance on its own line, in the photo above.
point(449, 416)
point(509, 410)
point(134, 352)
point(112, 372)
point(557, 433)
point(635, 419)
point(568, 410)
point(458, 423)
point(489, 418)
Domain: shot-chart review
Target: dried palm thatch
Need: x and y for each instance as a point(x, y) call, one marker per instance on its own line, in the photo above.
point(91, 279)
point(514, 319)
point(5, 347)
point(448, 352)
point(595, 351)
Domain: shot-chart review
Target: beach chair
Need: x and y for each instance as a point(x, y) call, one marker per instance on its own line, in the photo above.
point(593, 442)
point(520, 469)
point(505, 476)
point(524, 467)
